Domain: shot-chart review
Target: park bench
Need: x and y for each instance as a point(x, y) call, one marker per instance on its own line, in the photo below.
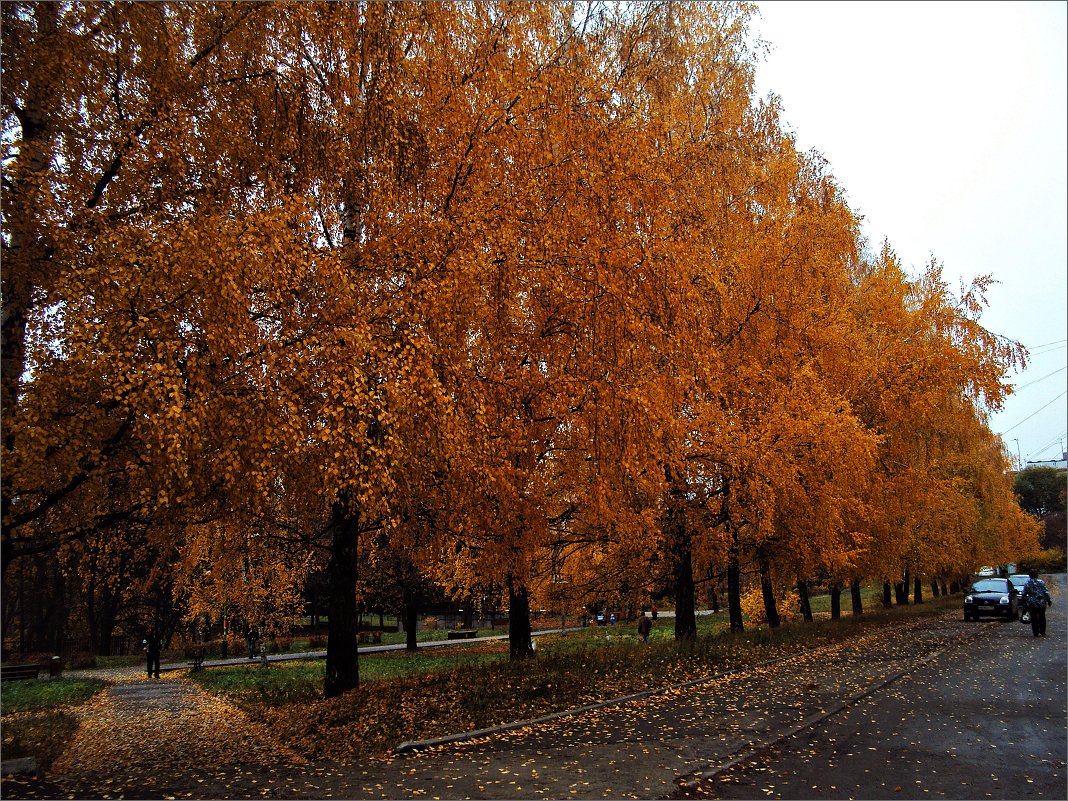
point(195, 654)
point(19, 672)
point(462, 634)
point(371, 635)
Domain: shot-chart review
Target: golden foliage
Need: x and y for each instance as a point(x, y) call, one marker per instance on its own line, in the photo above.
point(545, 293)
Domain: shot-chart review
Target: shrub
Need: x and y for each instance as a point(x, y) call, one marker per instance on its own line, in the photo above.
point(82, 660)
point(1051, 560)
point(279, 645)
point(788, 606)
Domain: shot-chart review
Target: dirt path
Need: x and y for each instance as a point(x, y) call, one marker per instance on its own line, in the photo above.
point(165, 738)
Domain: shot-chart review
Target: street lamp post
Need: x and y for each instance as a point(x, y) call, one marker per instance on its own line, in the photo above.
point(1019, 459)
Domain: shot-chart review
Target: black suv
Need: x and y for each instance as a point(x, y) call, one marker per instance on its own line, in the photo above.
point(995, 597)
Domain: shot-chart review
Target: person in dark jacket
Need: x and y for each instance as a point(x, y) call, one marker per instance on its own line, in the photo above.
point(152, 649)
point(645, 625)
point(1035, 600)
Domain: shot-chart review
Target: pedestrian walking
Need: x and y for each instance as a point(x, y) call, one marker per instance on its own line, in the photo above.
point(645, 625)
point(654, 611)
point(1035, 600)
point(252, 636)
point(152, 648)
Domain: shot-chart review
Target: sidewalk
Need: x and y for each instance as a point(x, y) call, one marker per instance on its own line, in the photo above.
point(363, 649)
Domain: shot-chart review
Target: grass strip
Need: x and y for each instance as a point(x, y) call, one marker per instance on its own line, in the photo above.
point(19, 696)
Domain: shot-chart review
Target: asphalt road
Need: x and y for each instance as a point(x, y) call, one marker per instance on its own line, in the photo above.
point(987, 720)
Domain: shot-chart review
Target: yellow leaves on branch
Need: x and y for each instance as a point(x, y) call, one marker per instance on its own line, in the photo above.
point(485, 266)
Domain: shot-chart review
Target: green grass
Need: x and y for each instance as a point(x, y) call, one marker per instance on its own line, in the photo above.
point(871, 597)
point(287, 682)
point(283, 682)
point(293, 681)
point(290, 681)
point(18, 696)
point(400, 664)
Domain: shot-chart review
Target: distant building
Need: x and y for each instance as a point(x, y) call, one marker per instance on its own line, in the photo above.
point(1058, 464)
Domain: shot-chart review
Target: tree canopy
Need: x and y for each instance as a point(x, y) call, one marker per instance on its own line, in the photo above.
point(539, 298)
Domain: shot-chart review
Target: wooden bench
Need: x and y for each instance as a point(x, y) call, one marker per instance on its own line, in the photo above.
point(196, 657)
point(19, 672)
point(371, 635)
point(462, 634)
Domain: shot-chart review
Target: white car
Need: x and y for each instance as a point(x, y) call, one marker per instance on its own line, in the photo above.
point(1019, 581)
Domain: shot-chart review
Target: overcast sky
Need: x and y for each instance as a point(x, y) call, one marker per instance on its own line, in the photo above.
point(947, 125)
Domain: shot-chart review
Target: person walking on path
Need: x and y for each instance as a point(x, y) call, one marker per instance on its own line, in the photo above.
point(1035, 600)
point(645, 625)
point(252, 638)
point(152, 649)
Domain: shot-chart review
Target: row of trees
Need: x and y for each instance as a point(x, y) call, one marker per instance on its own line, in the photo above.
point(1042, 492)
point(532, 299)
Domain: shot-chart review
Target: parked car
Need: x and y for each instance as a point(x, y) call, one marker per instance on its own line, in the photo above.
point(995, 597)
point(1019, 581)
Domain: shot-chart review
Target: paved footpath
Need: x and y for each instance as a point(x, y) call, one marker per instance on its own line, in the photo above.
point(168, 739)
point(147, 738)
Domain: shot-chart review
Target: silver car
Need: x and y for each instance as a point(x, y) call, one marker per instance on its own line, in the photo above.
point(1019, 581)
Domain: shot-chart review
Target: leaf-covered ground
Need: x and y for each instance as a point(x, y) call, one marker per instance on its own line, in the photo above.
point(567, 673)
point(156, 739)
point(38, 734)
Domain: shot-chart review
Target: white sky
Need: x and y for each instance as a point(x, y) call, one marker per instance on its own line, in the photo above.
point(947, 125)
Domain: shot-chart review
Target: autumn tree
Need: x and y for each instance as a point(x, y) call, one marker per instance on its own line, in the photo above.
point(926, 375)
point(202, 267)
point(1042, 494)
point(520, 296)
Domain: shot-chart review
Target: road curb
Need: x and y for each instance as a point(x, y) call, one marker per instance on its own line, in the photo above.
point(691, 781)
point(410, 747)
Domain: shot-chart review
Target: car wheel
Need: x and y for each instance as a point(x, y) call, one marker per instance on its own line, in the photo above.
point(967, 617)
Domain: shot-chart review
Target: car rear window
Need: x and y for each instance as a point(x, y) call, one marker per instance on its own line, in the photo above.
point(991, 585)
